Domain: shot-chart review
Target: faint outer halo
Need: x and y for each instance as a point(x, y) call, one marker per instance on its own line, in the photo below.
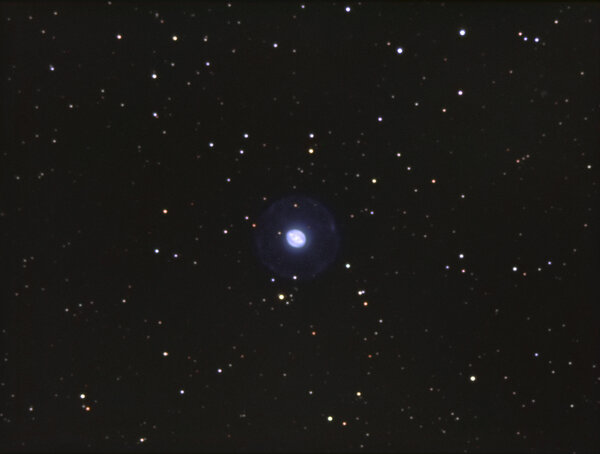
point(314, 251)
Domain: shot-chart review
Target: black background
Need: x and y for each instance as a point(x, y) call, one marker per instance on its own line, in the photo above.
point(86, 172)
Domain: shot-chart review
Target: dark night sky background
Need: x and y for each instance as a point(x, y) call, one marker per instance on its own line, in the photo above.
point(460, 313)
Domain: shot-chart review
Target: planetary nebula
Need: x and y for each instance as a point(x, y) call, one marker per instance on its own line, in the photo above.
point(296, 237)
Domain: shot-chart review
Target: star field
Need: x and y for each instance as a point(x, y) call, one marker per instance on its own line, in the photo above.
point(308, 227)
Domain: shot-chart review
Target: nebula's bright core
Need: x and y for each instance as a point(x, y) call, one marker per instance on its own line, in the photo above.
point(296, 238)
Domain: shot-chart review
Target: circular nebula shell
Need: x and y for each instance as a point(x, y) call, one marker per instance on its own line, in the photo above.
point(296, 237)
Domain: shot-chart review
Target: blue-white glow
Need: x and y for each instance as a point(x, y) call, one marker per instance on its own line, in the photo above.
point(295, 238)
